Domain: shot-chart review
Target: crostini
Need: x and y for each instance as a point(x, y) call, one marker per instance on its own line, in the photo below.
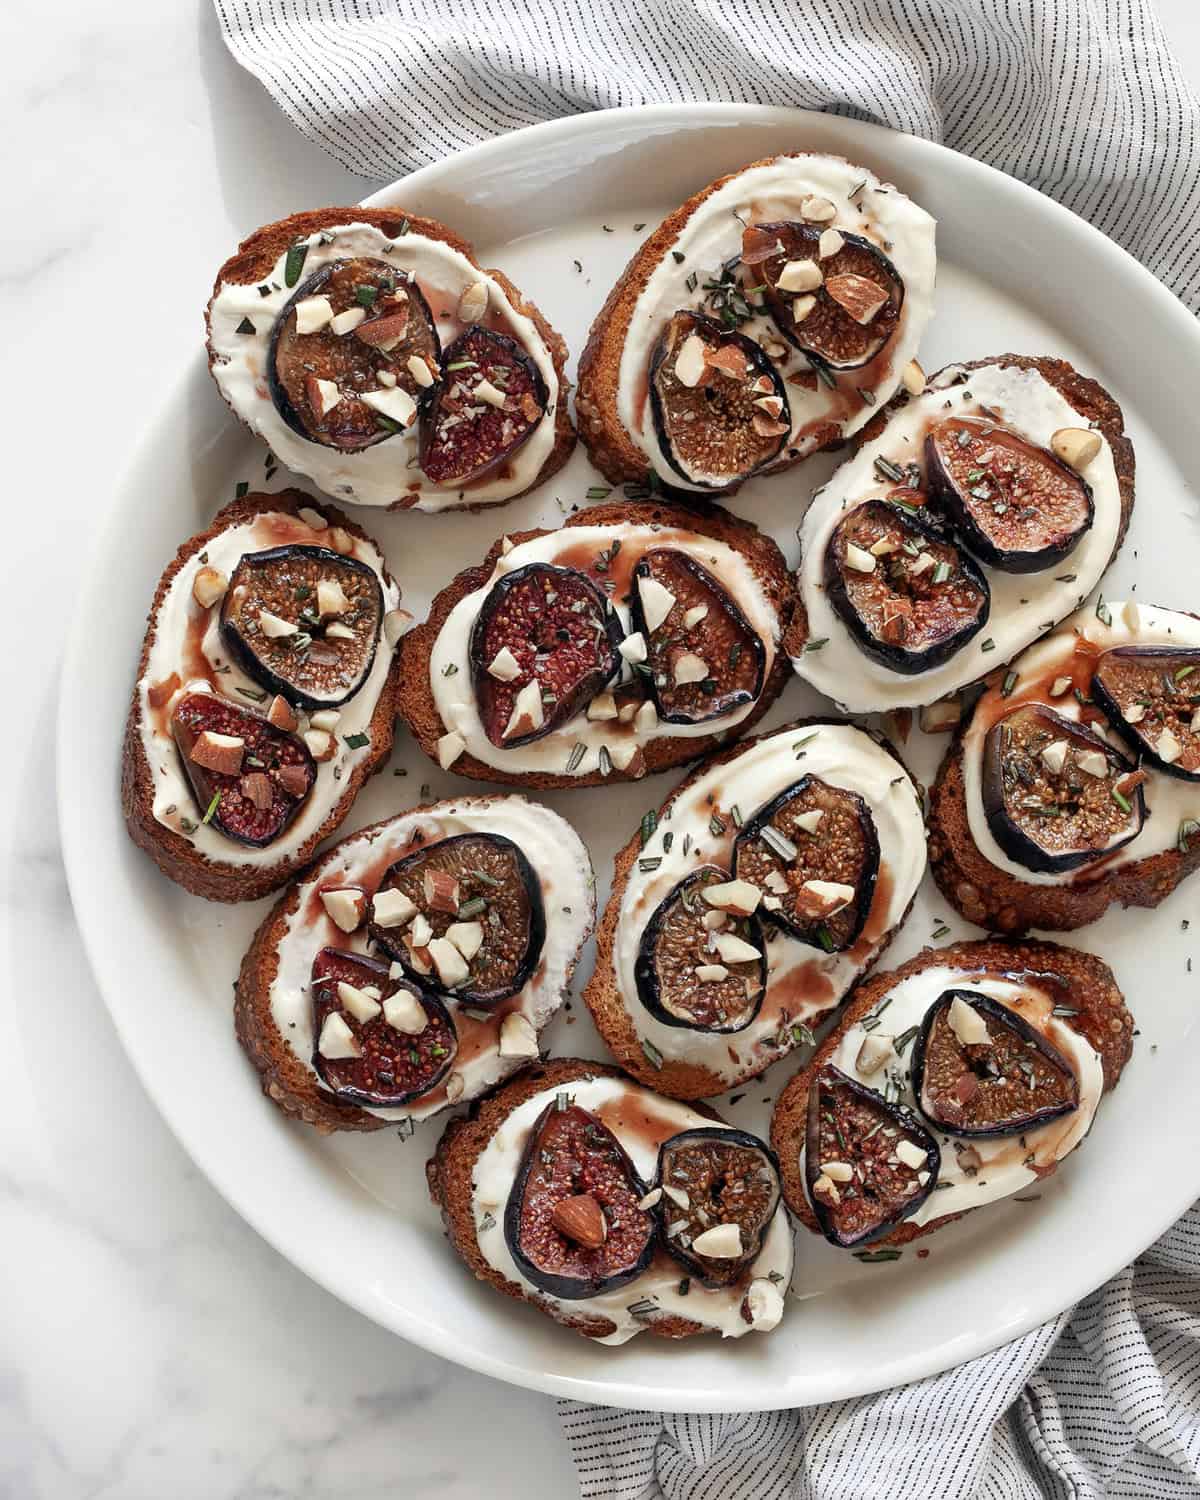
point(745, 908)
point(416, 964)
point(615, 1211)
point(372, 353)
point(962, 1077)
point(763, 320)
point(980, 510)
point(635, 638)
point(265, 694)
point(1075, 782)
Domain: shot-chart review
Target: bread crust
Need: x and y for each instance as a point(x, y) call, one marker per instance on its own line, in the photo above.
point(450, 1172)
point(285, 1079)
point(416, 702)
point(1087, 396)
point(676, 1079)
point(176, 856)
point(609, 444)
point(258, 252)
point(1103, 1020)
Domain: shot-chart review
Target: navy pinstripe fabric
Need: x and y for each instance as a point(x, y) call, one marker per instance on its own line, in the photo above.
point(1082, 99)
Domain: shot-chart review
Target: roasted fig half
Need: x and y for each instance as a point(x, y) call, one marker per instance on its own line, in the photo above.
point(492, 398)
point(719, 405)
point(1151, 695)
point(464, 916)
point(1056, 796)
point(979, 1068)
point(354, 355)
point(249, 779)
point(907, 594)
point(868, 1164)
point(572, 1221)
point(699, 965)
point(840, 309)
point(1017, 506)
point(376, 1040)
point(543, 644)
point(813, 852)
point(720, 1192)
point(703, 657)
point(304, 622)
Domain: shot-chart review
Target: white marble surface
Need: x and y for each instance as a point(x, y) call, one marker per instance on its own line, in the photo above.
point(150, 1343)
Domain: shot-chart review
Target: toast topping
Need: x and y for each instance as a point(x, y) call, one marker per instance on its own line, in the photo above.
point(702, 657)
point(705, 386)
point(1017, 506)
point(1152, 696)
point(395, 1042)
point(465, 915)
point(572, 1221)
point(561, 633)
point(492, 398)
point(921, 601)
point(721, 1190)
point(343, 351)
point(815, 848)
point(304, 622)
point(1057, 796)
point(868, 1163)
point(228, 741)
point(684, 976)
point(980, 1069)
point(854, 291)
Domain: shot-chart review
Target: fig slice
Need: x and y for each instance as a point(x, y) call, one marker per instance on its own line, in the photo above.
point(304, 622)
point(852, 310)
point(1017, 506)
point(390, 1041)
point(725, 1181)
point(1056, 796)
point(704, 659)
point(572, 1221)
point(477, 905)
point(682, 976)
point(318, 379)
point(813, 852)
point(980, 1069)
point(878, 1153)
point(249, 779)
point(492, 398)
point(908, 595)
point(719, 405)
point(1151, 695)
point(561, 633)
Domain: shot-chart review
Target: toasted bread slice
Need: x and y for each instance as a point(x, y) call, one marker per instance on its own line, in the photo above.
point(297, 928)
point(186, 851)
point(982, 883)
point(457, 1177)
point(695, 827)
point(239, 339)
point(542, 764)
point(1099, 1017)
point(834, 663)
point(677, 267)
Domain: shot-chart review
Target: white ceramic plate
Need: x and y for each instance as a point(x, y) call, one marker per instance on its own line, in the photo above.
point(1017, 273)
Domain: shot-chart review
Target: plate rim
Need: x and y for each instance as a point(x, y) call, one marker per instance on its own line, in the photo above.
point(439, 1340)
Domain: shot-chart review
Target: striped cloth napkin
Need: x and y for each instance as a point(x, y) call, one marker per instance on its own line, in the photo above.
point(1082, 99)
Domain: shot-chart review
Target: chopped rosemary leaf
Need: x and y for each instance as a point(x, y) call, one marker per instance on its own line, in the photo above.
point(875, 1257)
point(473, 908)
point(716, 825)
point(653, 1056)
point(648, 865)
point(988, 645)
point(242, 489)
point(578, 751)
point(1121, 800)
point(211, 809)
point(1010, 682)
point(599, 492)
point(649, 824)
point(903, 1040)
point(1187, 829)
point(815, 645)
point(294, 264)
point(246, 326)
point(356, 741)
point(1103, 613)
